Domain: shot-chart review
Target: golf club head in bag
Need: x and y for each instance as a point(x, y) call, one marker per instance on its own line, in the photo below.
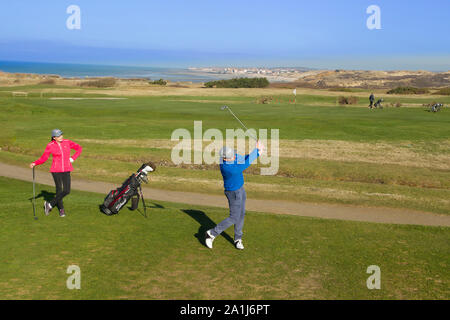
point(144, 170)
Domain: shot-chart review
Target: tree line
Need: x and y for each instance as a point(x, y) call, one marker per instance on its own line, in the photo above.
point(239, 83)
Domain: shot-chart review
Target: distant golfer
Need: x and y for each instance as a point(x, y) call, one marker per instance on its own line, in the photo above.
point(61, 167)
point(232, 166)
point(371, 100)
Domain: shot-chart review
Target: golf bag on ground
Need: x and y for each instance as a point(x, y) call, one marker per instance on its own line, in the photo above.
point(130, 189)
point(378, 104)
point(436, 107)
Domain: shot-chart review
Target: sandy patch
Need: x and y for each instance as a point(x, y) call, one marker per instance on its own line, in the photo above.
point(107, 98)
point(290, 189)
point(204, 101)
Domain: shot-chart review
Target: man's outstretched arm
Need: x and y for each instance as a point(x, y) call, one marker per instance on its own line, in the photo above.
point(252, 156)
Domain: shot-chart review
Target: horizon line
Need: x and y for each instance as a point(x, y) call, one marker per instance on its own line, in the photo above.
point(217, 66)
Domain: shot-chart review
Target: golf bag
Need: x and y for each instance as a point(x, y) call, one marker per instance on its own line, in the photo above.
point(436, 107)
point(378, 104)
point(130, 189)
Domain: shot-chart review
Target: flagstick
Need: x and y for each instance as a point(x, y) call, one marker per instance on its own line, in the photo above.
point(295, 97)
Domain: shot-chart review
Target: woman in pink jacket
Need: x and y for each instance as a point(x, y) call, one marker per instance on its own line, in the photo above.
point(60, 149)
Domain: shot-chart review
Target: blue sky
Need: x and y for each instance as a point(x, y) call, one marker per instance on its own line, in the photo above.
point(180, 33)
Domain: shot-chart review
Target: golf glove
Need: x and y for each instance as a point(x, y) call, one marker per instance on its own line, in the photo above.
point(71, 160)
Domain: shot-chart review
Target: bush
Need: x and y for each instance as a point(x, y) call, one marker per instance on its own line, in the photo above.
point(347, 100)
point(264, 100)
point(177, 85)
point(443, 91)
point(396, 104)
point(341, 89)
point(408, 90)
point(48, 81)
point(99, 83)
point(239, 83)
point(159, 82)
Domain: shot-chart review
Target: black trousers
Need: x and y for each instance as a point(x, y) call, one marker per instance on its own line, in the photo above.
point(62, 183)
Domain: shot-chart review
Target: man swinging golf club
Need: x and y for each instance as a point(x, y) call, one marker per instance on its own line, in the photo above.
point(61, 167)
point(232, 166)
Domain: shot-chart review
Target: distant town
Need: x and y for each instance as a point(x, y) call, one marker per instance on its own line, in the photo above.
point(277, 73)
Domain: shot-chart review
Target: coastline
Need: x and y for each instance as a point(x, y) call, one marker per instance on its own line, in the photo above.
point(190, 74)
point(28, 73)
point(73, 71)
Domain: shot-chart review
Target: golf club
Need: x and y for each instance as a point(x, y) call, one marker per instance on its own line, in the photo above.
point(232, 113)
point(34, 197)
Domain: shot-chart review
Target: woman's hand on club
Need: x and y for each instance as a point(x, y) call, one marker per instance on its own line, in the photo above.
point(32, 165)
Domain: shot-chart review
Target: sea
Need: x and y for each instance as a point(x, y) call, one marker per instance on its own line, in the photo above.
point(70, 70)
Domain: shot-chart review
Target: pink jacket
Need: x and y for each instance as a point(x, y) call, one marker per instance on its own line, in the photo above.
point(61, 155)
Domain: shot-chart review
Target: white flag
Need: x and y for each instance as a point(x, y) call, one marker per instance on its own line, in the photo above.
point(295, 91)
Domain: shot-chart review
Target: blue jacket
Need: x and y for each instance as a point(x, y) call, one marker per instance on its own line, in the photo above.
point(233, 179)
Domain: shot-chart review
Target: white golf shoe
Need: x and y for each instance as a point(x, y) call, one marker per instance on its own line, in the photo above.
point(209, 239)
point(239, 245)
point(47, 208)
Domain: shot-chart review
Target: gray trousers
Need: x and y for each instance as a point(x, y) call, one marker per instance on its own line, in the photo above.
point(236, 202)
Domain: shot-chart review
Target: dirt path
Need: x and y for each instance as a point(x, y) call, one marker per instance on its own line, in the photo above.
point(93, 98)
point(327, 211)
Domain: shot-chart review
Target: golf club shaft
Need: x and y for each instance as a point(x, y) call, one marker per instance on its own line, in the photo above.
point(232, 113)
point(34, 195)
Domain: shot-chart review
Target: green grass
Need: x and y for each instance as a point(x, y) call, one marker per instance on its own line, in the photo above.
point(286, 257)
point(157, 117)
point(26, 123)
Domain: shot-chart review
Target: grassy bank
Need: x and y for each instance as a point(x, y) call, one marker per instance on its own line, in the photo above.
point(286, 257)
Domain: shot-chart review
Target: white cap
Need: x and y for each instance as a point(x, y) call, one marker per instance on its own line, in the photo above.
point(226, 153)
point(56, 133)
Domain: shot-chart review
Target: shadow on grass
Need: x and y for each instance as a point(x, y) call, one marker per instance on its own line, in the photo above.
point(138, 209)
point(48, 196)
point(205, 224)
point(143, 213)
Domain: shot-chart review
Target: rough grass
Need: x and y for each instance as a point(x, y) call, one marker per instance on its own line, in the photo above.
point(408, 90)
point(406, 153)
point(347, 100)
point(161, 257)
point(99, 83)
point(443, 91)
